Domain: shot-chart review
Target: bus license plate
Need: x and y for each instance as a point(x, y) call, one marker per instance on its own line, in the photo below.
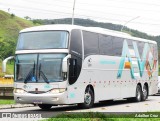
point(37, 102)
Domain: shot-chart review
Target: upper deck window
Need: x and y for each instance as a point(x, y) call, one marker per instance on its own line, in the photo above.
point(43, 40)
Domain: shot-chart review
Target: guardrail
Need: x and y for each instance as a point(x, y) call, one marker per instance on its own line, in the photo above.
point(6, 87)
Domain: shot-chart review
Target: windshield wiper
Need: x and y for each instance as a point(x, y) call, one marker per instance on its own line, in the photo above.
point(44, 77)
point(30, 74)
point(42, 74)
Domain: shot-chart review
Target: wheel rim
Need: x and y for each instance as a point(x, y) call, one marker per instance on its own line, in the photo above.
point(144, 92)
point(138, 94)
point(87, 98)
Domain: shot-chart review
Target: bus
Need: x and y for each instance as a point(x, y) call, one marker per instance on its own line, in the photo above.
point(71, 64)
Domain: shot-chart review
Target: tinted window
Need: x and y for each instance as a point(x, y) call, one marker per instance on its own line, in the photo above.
point(105, 44)
point(155, 52)
point(153, 49)
point(76, 43)
point(43, 40)
point(140, 48)
point(90, 43)
point(130, 44)
point(117, 46)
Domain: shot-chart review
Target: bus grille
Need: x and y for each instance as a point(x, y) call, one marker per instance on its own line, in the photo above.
point(36, 92)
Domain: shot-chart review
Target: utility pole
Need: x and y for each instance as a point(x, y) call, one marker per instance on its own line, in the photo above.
point(73, 12)
point(129, 21)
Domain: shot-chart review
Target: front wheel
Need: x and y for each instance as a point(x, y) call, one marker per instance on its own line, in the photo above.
point(88, 99)
point(45, 106)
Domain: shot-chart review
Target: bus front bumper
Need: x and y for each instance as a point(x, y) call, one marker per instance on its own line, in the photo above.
point(46, 98)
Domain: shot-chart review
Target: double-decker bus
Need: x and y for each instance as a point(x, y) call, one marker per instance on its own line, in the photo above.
point(69, 64)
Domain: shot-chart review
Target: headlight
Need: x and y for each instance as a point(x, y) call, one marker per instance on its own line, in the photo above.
point(57, 90)
point(16, 90)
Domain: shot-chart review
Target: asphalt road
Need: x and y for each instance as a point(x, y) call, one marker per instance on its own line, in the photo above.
point(152, 104)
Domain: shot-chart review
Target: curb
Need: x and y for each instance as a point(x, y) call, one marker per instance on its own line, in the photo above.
point(16, 106)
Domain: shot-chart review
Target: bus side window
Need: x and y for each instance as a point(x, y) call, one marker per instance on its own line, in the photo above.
point(117, 46)
point(106, 45)
point(140, 48)
point(72, 70)
point(91, 43)
point(76, 43)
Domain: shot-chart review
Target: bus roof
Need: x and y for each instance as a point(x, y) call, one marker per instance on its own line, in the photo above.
point(67, 27)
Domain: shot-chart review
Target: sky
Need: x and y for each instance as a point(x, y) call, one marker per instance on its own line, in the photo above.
point(142, 15)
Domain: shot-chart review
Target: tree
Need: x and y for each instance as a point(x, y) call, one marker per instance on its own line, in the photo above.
point(27, 18)
point(12, 15)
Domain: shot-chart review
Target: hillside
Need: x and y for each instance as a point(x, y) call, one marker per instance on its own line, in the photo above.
point(88, 22)
point(10, 25)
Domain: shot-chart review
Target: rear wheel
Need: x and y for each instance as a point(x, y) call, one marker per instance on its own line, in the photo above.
point(144, 93)
point(88, 99)
point(138, 94)
point(45, 106)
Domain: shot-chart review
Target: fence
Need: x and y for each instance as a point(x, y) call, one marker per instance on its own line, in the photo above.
point(6, 87)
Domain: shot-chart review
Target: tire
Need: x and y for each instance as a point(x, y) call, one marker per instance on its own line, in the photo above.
point(88, 99)
point(45, 106)
point(144, 93)
point(138, 94)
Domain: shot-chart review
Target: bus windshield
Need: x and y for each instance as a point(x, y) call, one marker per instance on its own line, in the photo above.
point(35, 68)
point(43, 40)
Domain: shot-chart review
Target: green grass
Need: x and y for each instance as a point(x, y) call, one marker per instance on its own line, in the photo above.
point(104, 119)
point(9, 30)
point(91, 116)
point(10, 68)
point(5, 102)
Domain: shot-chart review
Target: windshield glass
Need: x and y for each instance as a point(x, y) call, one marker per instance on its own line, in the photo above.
point(26, 67)
point(43, 68)
point(43, 40)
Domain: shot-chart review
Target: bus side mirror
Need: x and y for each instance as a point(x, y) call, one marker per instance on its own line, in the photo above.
point(5, 62)
point(65, 63)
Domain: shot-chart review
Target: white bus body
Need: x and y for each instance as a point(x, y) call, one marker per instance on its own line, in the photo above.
point(68, 64)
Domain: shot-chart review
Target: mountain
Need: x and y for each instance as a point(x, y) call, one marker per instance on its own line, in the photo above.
point(88, 22)
point(10, 25)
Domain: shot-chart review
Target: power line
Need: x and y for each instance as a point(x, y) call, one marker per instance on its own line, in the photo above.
point(91, 4)
point(23, 7)
point(104, 18)
point(65, 1)
point(56, 12)
point(139, 2)
point(85, 10)
point(106, 13)
point(26, 11)
point(102, 12)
